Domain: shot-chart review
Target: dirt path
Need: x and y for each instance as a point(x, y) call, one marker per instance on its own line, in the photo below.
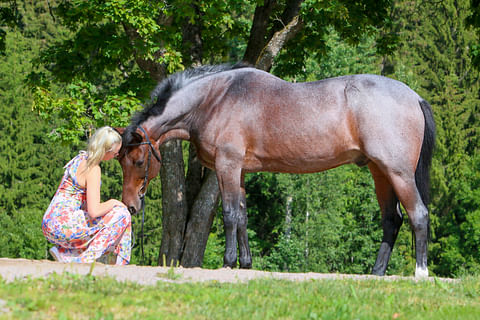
point(11, 269)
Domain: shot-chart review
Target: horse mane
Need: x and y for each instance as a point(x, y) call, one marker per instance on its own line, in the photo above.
point(168, 86)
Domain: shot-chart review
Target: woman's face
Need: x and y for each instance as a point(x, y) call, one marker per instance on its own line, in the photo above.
point(113, 152)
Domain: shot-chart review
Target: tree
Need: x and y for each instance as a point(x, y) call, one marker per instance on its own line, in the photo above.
point(30, 166)
point(9, 18)
point(435, 46)
point(139, 42)
point(473, 20)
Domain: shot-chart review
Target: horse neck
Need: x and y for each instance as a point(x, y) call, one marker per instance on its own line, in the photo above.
point(166, 127)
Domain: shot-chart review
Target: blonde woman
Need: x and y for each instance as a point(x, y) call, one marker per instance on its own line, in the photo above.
point(82, 227)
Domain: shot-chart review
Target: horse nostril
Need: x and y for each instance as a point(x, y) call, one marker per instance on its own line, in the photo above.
point(132, 210)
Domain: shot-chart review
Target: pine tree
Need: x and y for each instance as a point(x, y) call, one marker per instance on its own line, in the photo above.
point(435, 49)
point(30, 166)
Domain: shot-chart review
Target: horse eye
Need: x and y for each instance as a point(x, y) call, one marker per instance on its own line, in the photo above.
point(139, 163)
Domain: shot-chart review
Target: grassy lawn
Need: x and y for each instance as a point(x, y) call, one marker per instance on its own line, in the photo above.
point(71, 296)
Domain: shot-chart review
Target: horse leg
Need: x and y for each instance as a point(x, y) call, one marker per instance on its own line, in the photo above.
point(408, 194)
point(229, 176)
point(245, 257)
point(392, 218)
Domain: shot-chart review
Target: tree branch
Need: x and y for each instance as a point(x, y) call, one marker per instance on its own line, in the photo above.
point(271, 50)
point(192, 39)
point(291, 10)
point(258, 31)
point(156, 70)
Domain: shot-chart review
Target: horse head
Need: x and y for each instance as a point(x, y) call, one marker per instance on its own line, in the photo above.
point(140, 161)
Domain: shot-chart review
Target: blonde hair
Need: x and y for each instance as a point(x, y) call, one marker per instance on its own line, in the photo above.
point(100, 143)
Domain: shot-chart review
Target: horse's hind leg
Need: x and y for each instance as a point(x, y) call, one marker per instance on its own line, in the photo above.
point(391, 218)
point(245, 257)
point(406, 190)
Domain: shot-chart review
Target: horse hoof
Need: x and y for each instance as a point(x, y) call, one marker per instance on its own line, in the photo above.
point(378, 273)
point(421, 272)
point(229, 265)
point(247, 265)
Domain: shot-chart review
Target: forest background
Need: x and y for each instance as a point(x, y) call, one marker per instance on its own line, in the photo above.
point(70, 66)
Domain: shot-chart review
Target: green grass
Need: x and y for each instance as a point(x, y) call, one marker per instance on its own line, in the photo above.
point(71, 296)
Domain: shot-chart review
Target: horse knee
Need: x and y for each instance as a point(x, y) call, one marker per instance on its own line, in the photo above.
point(230, 220)
point(419, 220)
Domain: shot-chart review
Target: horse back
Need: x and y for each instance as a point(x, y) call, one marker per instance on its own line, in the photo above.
point(272, 125)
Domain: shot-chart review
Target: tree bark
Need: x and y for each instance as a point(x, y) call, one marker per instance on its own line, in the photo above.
point(279, 39)
point(190, 203)
point(187, 222)
point(292, 9)
point(192, 39)
point(200, 222)
point(174, 203)
point(257, 39)
point(262, 48)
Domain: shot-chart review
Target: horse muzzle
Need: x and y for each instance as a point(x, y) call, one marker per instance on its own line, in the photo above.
point(132, 210)
point(134, 205)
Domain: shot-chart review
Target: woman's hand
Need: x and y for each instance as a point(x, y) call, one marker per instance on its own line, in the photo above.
point(118, 203)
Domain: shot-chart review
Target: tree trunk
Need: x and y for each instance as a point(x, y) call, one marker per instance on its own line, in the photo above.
point(257, 39)
point(279, 39)
point(174, 202)
point(263, 48)
point(192, 39)
point(157, 71)
point(188, 220)
point(190, 204)
point(199, 223)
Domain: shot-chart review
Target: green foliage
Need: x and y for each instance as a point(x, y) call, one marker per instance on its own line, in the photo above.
point(351, 20)
point(435, 48)
point(30, 167)
point(213, 258)
point(87, 65)
point(9, 17)
point(82, 110)
point(473, 20)
point(97, 29)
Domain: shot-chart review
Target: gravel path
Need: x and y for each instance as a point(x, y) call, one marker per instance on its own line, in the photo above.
point(11, 269)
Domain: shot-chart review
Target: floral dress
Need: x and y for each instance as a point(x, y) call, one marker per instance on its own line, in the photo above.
point(77, 236)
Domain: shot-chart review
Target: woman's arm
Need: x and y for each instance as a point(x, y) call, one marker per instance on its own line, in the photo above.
point(96, 208)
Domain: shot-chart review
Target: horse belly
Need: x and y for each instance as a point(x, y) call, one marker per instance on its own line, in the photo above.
point(302, 156)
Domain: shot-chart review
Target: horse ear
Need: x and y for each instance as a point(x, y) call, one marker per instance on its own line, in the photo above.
point(136, 137)
point(119, 130)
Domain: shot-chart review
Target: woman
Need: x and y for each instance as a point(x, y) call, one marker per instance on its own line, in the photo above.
point(82, 227)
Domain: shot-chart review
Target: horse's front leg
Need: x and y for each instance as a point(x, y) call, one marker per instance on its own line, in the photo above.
point(233, 205)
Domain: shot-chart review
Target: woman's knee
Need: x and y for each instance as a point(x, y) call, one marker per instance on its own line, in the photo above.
point(121, 212)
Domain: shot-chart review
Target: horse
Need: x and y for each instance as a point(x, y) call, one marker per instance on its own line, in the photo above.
point(242, 120)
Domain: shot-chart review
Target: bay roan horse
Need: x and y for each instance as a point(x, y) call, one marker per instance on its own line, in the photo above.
point(242, 120)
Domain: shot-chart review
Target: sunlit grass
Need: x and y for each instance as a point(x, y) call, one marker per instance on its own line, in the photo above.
point(71, 296)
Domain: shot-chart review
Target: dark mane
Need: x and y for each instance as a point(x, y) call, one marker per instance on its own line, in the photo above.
point(167, 87)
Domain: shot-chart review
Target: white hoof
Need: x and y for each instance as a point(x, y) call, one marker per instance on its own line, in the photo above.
point(421, 272)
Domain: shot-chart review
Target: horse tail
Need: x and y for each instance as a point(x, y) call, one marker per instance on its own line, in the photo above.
point(422, 174)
